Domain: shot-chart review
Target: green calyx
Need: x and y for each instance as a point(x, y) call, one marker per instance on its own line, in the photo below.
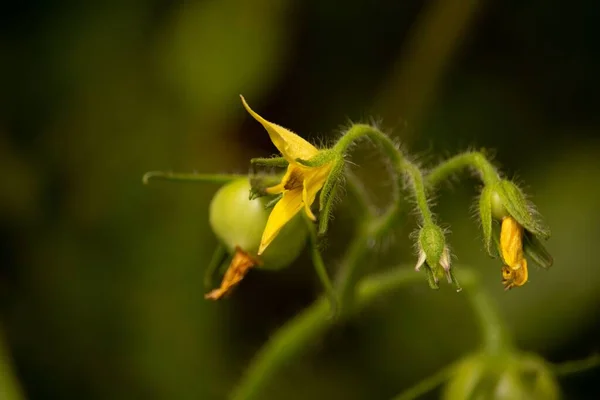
point(435, 256)
point(535, 250)
point(328, 193)
point(432, 242)
point(503, 198)
point(323, 157)
point(517, 205)
point(502, 376)
point(486, 206)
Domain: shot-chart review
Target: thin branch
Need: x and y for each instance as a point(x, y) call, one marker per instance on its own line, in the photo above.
point(192, 178)
point(576, 366)
point(295, 336)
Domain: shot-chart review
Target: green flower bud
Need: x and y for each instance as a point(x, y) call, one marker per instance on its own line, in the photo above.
point(435, 255)
point(239, 222)
point(502, 376)
point(432, 243)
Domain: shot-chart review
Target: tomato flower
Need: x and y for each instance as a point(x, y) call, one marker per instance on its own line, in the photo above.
point(300, 184)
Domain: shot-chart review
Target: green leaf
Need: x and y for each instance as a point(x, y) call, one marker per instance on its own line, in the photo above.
point(495, 250)
point(535, 250)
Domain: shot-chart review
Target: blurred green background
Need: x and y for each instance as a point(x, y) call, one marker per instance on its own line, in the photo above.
point(101, 290)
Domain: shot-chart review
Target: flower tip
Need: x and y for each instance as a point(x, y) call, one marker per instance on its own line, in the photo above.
point(420, 260)
point(264, 243)
point(246, 106)
point(445, 261)
point(309, 212)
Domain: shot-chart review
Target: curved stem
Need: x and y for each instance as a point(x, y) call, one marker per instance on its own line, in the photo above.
point(495, 336)
point(473, 159)
point(419, 192)
point(427, 384)
point(576, 366)
point(193, 177)
point(320, 266)
point(362, 131)
point(353, 267)
point(293, 338)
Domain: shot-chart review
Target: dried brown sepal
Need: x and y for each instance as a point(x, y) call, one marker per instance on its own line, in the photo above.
point(238, 268)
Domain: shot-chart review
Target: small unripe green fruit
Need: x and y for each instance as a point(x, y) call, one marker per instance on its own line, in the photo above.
point(498, 209)
point(238, 221)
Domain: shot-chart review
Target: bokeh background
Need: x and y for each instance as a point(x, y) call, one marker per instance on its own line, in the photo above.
point(101, 290)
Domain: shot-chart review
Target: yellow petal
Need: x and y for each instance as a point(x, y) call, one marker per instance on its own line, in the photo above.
point(511, 242)
point(514, 277)
point(314, 180)
point(307, 203)
point(290, 145)
point(280, 187)
point(282, 213)
point(292, 179)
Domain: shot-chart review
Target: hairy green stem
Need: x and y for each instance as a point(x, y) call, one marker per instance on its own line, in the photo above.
point(297, 334)
point(418, 189)
point(353, 267)
point(320, 266)
point(473, 159)
point(275, 162)
point(182, 177)
point(387, 146)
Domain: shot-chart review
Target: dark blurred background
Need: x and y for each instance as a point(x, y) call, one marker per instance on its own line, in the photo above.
point(101, 290)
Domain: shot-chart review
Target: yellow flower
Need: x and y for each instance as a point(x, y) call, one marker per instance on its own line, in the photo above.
point(514, 273)
point(299, 185)
point(511, 242)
